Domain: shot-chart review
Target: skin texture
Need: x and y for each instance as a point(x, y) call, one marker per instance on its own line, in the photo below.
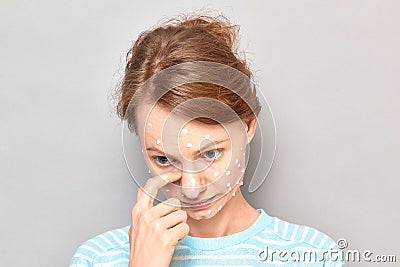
point(194, 175)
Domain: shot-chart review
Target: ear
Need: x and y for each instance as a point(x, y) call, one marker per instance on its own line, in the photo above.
point(250, 126)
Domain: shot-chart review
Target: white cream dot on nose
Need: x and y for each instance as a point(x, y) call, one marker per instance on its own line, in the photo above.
point(216, 174)
point(185, 131)
point(237, 161)
point(219, 208)
point(228, 172)
point(207, 136)
point(238, 165)
point(243, 170)
point(150, 124)
point(209, 211)
point(188, 145)
point(233, 194)
point(158, 141)
point(192, 180)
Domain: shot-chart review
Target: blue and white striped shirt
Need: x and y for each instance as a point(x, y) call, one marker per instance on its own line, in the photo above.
point(269, 241)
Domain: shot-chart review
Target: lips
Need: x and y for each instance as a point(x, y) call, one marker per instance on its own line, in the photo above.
point(200, 204)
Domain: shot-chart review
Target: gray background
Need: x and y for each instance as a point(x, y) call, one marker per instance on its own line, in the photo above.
point(329, 70)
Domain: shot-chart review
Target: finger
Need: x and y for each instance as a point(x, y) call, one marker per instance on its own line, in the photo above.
point(172, 219)
point(165, 208)
point(138, 194)
point(129, 234)
point(134, 212)
point(179, 232)
point(153, 185)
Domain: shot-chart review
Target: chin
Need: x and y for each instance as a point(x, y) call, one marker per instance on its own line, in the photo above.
point(202, 213)
point(197, 216)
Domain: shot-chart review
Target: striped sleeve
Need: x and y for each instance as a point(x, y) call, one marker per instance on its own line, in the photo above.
point(110, 248)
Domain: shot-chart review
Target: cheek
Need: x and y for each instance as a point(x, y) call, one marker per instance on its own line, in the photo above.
point(216, 169)
point(231, 170)
point(232, 164)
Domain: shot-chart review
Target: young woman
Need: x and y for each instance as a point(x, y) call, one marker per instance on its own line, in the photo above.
point(196, 154)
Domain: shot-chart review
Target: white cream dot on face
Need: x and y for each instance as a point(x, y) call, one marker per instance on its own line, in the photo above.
point(241, 148)
point(237, 161)
point(219, 208)
point(241, 182)
point(228, 185)
point(192, 180)
point(207, 136)
point(243, 170)
point(216, 174)
point(233, 194)
point(158, 141)
point(150, 124)
point(209, 211)
point(188, 145)
point(238, 165)
point(228, 172)
point(244, 154)
point(185, 131)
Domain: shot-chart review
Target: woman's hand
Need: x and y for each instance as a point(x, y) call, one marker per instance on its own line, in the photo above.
point(155, 230)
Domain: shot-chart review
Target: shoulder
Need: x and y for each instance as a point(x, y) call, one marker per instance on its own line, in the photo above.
point(289, 232)
point(297, 240)
point(111, 247)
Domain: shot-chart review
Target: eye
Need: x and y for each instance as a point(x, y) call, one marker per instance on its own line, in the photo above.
point(161, 160)
point(212, 154)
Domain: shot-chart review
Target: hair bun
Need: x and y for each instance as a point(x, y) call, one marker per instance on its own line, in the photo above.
point(219, 26)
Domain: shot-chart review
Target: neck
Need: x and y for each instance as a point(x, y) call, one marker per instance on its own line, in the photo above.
point(236, 216)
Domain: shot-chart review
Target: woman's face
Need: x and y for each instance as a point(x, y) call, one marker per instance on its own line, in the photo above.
point(210, 158)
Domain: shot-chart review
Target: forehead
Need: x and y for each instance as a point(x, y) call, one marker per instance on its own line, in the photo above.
point(160, 121)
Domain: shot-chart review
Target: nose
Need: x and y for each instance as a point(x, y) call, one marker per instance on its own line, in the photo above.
point(191, 184)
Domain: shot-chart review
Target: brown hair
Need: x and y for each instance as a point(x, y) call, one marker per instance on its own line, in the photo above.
point(184, 39)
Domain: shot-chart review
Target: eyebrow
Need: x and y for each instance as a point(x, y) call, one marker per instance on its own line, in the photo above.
point(197, 152)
